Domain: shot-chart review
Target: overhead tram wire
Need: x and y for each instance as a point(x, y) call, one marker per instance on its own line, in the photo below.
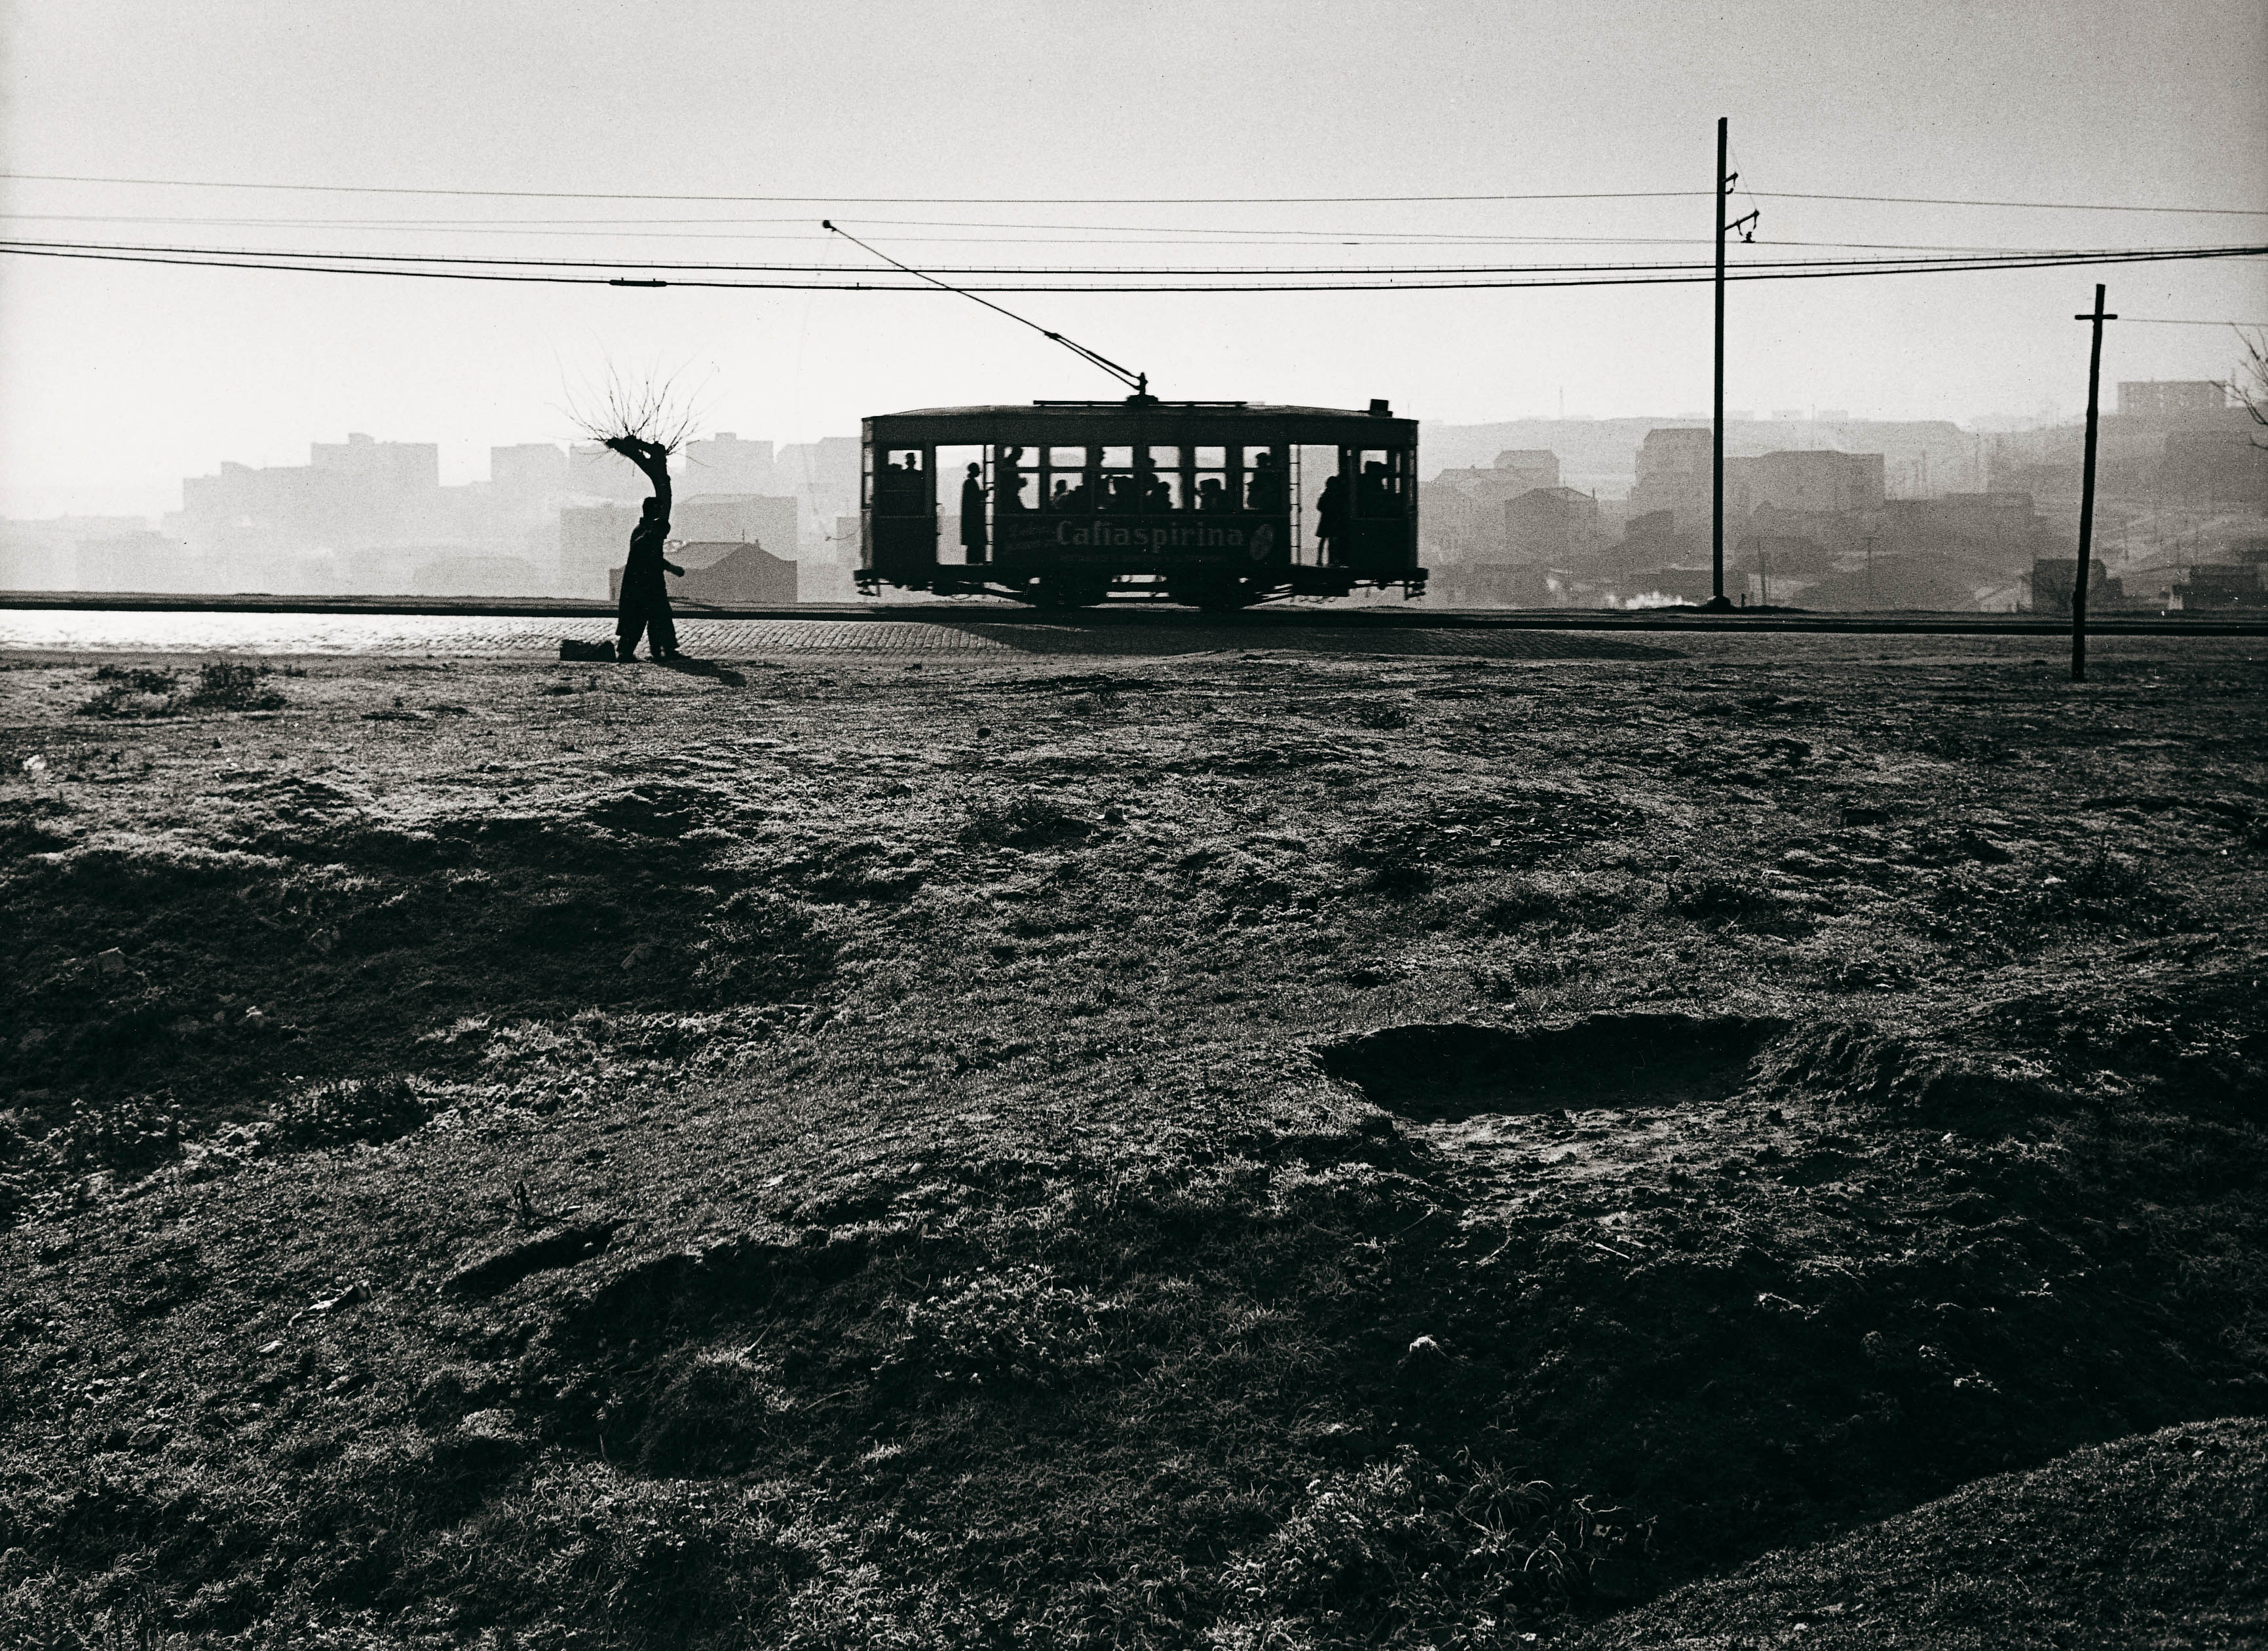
point(1753, 268)
point(1480, 277)
point(1320, 240)
point(1066, 200)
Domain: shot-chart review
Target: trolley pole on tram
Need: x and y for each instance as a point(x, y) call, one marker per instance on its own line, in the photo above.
point(1716, 405)
point(2086, 493)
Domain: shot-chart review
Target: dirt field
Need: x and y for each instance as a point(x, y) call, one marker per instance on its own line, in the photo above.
point(1259, 1148)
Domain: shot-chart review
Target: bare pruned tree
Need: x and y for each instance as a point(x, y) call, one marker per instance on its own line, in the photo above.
point(2250, 384)
point(645, 416)
point(652, 408)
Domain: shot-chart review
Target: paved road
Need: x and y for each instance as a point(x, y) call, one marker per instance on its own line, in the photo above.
point(82, 631)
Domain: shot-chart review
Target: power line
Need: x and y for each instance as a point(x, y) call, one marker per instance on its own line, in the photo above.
point(594, 228)
point(2169, 321)
point(2044, 206)
point(1480, 278)
point(865, 200)
point(1755, 267)
point(1115, 200)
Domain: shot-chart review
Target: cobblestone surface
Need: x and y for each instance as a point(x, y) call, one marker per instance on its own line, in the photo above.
point(114, 632)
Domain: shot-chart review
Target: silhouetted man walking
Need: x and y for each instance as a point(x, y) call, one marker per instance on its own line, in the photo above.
point(645, 603)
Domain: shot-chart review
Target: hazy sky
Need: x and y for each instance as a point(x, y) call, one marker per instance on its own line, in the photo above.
point(117, 380)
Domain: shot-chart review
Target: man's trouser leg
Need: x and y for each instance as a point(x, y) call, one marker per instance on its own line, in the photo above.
point(628, 628)
point(661, 628)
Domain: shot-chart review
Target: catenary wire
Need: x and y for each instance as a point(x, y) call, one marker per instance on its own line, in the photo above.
point(2139, 254)
point(597, 227)
point(1569, 275)
point(1115, 200)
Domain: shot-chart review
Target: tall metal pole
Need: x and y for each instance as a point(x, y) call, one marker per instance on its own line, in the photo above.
point(2086, 493)
point(1716, 412)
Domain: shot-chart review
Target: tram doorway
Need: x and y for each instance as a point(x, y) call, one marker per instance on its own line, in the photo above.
point(964, 506)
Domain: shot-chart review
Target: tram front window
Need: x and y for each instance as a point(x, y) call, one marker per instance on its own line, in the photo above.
point(1382, 484)
point(902, 485)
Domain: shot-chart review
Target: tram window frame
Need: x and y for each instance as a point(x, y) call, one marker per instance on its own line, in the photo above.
point(1113, 462)
point(1393, 503)
point(1249, 467)
point(1029, 491)
point(880, 498)
point(1052, 469)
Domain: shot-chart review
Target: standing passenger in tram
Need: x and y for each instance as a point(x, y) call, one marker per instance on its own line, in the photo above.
point(1211, 495)
point(1330, 521)
point(972, 516)
point(1008, 479)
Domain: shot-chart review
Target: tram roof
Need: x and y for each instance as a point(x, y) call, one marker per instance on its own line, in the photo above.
point(1323, 425)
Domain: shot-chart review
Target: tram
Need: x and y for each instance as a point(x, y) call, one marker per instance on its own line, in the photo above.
point(1215, 505)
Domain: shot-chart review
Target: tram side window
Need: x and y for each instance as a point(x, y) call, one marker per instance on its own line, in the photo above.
point(1165, 487)
point(1015, 481)
point(1381, 483)
point(1064, 480)
point(1268, 481)
point(1209, 489)
point(901, 486)
point(1122, 488)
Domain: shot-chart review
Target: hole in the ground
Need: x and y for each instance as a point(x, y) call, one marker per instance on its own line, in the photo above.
point(1456, 1070)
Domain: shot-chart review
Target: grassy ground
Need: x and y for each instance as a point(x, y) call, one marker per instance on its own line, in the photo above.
point(1253, 1150)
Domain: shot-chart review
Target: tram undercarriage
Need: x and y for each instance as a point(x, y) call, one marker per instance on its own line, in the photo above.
point(1215, 592)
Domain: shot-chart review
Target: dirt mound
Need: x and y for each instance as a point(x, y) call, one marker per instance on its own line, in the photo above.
point(2111, 1545)
point(1632, 1061)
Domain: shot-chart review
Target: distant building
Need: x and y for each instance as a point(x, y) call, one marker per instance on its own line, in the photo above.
point(767, 520)
point(1461, 511)
point(596, 471)
point(724, 574)
point(1673, 477)
point(2052, 580)
point(2172, 395)
point(530, 477)
point(1551, 525)
point(724, 463)
point(2243, 587)
point(1818, 480)
point(593, 538)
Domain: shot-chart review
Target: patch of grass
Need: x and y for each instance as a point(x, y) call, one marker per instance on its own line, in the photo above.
point(1030, 820)
point(331, 1113)
point(230, 685)
point(130, 690)
point(1401, 1552)
point(1735, 903)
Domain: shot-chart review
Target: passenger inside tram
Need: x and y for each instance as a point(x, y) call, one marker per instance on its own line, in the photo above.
point(1268, 490)
point(1008, 479)
point(1330, 521)
point(898, 487)
point(1377, 493)
point(1211, 495)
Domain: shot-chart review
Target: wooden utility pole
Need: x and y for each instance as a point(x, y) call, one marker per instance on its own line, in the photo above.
point(1717, 406)
point(2086, 493)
